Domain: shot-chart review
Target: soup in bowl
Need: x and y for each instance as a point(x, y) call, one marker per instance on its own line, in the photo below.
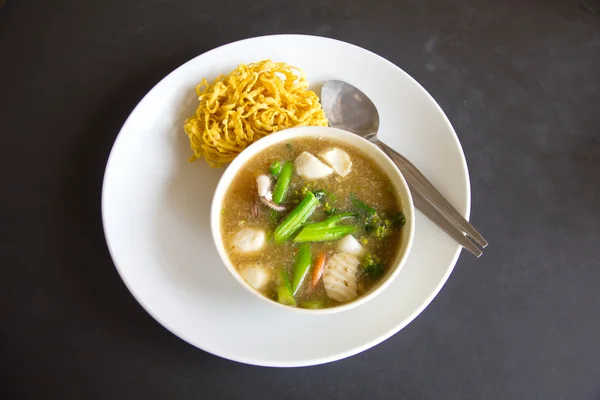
point(313, 218)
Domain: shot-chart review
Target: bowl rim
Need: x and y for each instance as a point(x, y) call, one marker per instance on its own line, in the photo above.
point(313, 131)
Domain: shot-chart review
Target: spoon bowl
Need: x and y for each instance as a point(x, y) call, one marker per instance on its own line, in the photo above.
point(346, 107)
point(350, 109)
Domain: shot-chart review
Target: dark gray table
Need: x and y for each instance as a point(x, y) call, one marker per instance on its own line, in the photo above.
point(520, 81)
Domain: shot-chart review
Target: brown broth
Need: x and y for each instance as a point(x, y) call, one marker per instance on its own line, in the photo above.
point(366, 180)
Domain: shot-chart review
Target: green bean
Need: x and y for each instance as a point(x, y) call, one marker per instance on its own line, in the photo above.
point(275, 168)
point(303, 263)
point(283, 183)
point(284, 290)
point(313, 304)
point(296, 218)
point(332, 220)
point(323, 233)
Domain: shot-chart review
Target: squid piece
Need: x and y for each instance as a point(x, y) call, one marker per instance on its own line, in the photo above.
point(339, 277)
point(265, 195)
point(263, 183)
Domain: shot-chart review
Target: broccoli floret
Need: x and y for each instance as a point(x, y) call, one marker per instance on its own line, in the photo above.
point(372, 266)
point(371, 223)
point(383, 228)
point(379, 227)
point(310, 187)
point(304, 191)
point(399, 219)
point(330, 210)
point(370, 259)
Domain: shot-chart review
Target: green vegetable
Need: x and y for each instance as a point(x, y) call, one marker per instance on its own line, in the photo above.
point(308, 187)
point(331, 221)
point(284, 290)
point(372, 266)
point(381, 227)
point(362, 206)
point(374, 224)
point(273, 215)
point(288, 146)
point(323, 234)
point(326, 230)
point(303, 262)
point(320, 193)
point(384, 228)
point(296, 218)
point(275, 168)
point(283, 183)
point(332, 211)
point(399, 219)
point(313, 304)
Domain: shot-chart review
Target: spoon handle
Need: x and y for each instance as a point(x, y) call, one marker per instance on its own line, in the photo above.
point(430, 211)
point(419, 182)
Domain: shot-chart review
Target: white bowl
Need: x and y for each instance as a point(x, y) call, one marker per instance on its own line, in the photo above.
point(372, 151)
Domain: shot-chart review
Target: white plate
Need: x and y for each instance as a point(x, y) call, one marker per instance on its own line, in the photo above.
point(155, 208)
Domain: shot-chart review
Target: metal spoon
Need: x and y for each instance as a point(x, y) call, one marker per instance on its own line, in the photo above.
point(350, 109)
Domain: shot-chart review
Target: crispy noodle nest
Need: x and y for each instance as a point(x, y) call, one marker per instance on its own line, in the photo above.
point(251, 102)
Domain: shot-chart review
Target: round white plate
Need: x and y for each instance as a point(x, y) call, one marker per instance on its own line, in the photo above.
point(155, 208)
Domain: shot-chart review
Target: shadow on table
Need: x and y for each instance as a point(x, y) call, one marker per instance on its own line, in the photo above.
point(98, 294)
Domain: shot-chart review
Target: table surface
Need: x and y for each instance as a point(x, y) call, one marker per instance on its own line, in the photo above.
point(520, 81)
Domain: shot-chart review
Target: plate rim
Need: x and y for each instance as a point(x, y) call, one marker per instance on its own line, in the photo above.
point(319, 360)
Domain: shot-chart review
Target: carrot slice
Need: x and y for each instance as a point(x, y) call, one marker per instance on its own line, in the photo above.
point(318, 269)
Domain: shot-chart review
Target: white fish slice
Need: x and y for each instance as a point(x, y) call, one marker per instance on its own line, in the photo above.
point(256, 275)
point(338, 159)
point(310, 167)
point(349, 244)
point(249, 240)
